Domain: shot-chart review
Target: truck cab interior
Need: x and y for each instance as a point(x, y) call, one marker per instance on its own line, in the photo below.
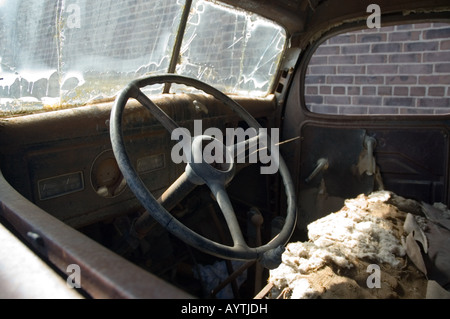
point(173, 148)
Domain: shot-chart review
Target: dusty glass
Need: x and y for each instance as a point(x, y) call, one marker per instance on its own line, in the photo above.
point(67, 53)
point(235, 51)
point(56, 53)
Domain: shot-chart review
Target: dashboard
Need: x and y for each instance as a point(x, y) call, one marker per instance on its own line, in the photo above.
point(63, 161)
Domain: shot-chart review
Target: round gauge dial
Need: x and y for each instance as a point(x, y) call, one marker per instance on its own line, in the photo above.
point(106, 178)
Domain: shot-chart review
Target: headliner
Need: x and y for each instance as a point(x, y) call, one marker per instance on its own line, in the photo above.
point(308, 19)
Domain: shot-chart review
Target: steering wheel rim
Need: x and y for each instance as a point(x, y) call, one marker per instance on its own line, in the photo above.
point(269, 254)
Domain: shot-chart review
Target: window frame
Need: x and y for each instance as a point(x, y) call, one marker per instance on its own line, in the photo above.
point(390, 20)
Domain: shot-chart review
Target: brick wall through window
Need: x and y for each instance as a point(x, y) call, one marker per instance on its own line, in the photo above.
point(403, 69)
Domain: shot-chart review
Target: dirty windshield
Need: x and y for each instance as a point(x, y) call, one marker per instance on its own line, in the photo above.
point(65, 53)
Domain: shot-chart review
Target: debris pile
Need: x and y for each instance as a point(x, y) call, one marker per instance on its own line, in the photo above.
point(360, 251)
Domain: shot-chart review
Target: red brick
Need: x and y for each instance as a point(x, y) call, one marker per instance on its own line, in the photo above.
point(315, 60)
point(372, 58)
point(313, 99)
point(369, 79)
point(322, 69)
point(353, 110)
point(434, 79)
point(421, 46)
point(434, 102)
point(402, 79)
point(405, 58)
point(311, 89)
point(383, 110)
point(351, 69)
point(339, 90)
point(361, 48)
point(401, 90)
point(367, 100)
point(440, 25)
point(416, 69)
point(442, 56)
point(382, 69)
point(436, 91)
point(369, 90)
point(415, 110)
point(442, 68)
point(325, 89)
point(339, 100)
point(404, 36)
point(353, 90)
point(323, 109)
point(445, 45)
point(417, 91)
point(386, 47)
point(342, 59)
point(437, 34)
point(384, 90)
point(375, 37)
point(398, 101)
point(314, 79)
point(340, 79)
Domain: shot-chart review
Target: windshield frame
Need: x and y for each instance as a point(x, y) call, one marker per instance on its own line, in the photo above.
point(28, 105)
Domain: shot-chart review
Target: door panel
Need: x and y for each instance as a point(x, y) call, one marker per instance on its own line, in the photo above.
point(411, 161)
point(378, 86)
point(331, 169)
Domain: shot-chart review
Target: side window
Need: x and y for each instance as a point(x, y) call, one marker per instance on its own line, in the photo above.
point(403, 69)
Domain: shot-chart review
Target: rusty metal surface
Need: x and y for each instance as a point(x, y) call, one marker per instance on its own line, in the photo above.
point(23, 275)
point(103, 273)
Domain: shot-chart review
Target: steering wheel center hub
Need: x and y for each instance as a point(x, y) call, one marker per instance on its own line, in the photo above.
point(210, 161)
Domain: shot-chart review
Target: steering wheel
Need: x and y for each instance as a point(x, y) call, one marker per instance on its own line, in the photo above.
point(199, 171)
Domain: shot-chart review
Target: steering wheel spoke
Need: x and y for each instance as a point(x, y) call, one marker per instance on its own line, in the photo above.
point(221, 196)
point(239, 149)
point(168, 123)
